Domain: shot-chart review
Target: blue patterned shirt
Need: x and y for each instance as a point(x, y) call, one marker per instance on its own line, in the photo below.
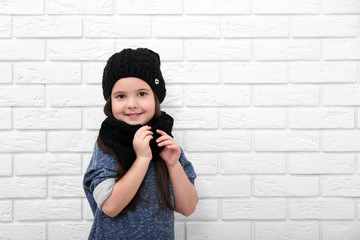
point(145, 221)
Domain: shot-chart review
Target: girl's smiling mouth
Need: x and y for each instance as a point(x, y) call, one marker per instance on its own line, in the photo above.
point(133, 115)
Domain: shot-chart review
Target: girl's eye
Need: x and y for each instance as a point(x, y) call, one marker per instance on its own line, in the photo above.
point(142, 94)
point(121, 96)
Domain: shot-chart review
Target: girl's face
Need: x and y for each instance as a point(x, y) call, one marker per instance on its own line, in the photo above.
point(132, 101)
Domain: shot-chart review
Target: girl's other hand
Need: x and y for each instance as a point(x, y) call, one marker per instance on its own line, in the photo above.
point(141, 142)
point(171, 153)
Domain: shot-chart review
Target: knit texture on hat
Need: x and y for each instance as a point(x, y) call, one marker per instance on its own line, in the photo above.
point(142, 63)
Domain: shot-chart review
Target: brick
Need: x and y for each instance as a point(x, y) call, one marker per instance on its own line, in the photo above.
point(80, 50)
point(179, 138)
point(71, 141)
point(22, 142)
point(341, 7)
point(22, 188)
point(328, 26)
point(223, 186)
point(255, 73)
point(194, 118)
point(253, 118)
point(149, 7)
point(341, 49)
point(341, 141)
point(218, 230)
point(85, 161)
point(15, 49)
point(206, 209)
point(186, 27)
point(66, 187)
point(93, 118)
point(169, 50)
point(105, 27)
point(86, 210)
point(5, 27)
point(341, 95)
point(179, 230)
point(46, 119)
point(287, 230)
point(235, 163)
point(255, 26)
point(322, 209)
point(217, 7)
point(20, 96)
point(286, 7)
point(5, 72)
point(34, 231)
point(214, 141)
point(47, 73)
point(5, 212)
point(286, 95)
point(174, 97)
point(212, 95)
point(79, 7)
point(287, 50)
point(191, 72)
point(93, 72)
point(69, 230)
point(47, 27)
point(47, 164)
point(75, 96)
point(341, 186)
point(328, 72)
point(314, 163)
point(272, 140)
point(44, 210)
point(321, 118)
point(204, 163)
point(286, 186)
point(253, 209)
point(5, 118)
point(6, 165)
point(340, 230)
point(218, 50)
point(22, 7)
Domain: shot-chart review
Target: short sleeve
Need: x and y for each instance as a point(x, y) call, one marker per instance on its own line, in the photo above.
point(99, 178)
point(188, 167)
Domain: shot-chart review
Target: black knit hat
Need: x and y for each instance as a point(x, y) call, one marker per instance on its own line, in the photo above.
point(142, 63)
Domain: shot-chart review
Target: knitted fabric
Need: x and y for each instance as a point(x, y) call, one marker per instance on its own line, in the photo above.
point(142, 63)
point(118, 136)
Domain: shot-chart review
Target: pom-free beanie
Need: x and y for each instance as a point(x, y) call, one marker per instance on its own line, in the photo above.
point(142, 63)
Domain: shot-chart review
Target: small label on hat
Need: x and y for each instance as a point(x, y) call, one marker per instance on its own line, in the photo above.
point(157, 81)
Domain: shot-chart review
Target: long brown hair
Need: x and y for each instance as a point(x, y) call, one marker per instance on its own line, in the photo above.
point(162, 174)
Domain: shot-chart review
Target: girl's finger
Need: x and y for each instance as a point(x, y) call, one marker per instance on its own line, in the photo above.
point(163, 138)
point(145, 134)
point(161, 132)
point(143, 128)
point(148, 138)
point(166, 143)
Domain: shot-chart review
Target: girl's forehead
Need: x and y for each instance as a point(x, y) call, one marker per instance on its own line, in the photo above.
point(130, 83)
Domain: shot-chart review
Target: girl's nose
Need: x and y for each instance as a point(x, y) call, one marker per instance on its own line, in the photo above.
point(132, 103)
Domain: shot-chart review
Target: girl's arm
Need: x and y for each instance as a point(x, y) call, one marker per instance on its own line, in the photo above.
point(125, 189)
point(185, 194)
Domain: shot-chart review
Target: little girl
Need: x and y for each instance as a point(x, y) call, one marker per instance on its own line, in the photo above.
point(138, 175)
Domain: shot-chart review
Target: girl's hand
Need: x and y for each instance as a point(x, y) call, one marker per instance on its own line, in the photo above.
point(141, 142)
point(171, 153)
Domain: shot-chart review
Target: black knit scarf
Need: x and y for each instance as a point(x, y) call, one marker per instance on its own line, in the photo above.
point(118, 136)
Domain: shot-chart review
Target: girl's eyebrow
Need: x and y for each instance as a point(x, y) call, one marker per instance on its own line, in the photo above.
point(143, 89)
point(140, 89)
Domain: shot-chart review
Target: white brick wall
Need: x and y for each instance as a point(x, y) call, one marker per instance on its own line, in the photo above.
point(265, 94)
